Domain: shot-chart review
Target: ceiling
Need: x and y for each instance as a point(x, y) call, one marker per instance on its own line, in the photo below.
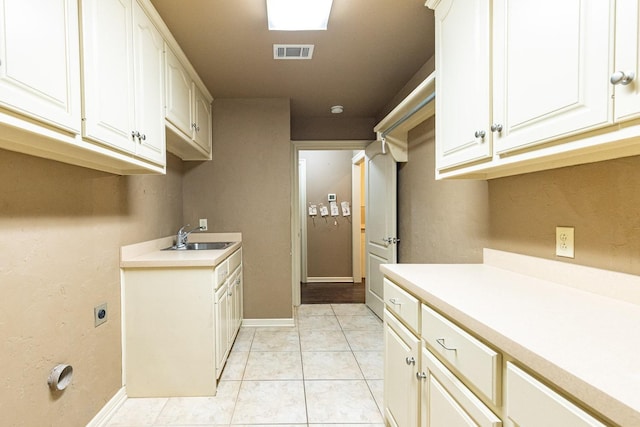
point(369, 52)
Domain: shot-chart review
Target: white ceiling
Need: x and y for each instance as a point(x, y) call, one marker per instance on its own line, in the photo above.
point(368, 53)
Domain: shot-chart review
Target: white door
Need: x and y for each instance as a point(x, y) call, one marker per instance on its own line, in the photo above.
point(40, 60)
point(381, 238)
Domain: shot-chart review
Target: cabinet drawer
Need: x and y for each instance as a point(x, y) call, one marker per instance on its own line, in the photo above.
point(234, 260)
point(447, 402)
point(531, 403)
point(402, 304)
point(479, 364)
point(221, 273)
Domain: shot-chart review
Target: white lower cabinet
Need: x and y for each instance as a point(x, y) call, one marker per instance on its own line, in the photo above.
point(437, 374)
point(177, 328)
point(228, 307)
point(401, 388)
point(447, 402)
point(529, 403)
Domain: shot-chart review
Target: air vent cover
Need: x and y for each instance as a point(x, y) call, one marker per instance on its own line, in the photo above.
point(292, 51)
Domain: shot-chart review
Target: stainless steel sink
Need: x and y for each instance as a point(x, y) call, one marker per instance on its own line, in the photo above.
point(201, 246)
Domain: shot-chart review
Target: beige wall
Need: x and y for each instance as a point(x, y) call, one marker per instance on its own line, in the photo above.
point(332, 128)
point(328, 244)
point(601, 200)
point(438, 221)
point(247, 188)
point(62, 227)
point(451, 221)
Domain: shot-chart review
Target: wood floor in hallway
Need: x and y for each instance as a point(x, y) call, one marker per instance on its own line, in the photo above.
point(332, 293)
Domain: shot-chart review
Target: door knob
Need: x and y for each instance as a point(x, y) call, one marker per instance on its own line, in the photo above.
point(620, 77)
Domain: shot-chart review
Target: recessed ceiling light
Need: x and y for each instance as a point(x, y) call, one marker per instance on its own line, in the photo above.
point(337, 109)
point(298, 15)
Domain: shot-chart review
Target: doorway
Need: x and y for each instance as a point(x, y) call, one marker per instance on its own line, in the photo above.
point(324, 284)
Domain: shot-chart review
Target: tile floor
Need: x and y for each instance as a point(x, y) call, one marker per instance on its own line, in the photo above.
point(326, 370)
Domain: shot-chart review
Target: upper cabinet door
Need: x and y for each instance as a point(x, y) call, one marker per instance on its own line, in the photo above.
point(627, 96)
point(179, 94)
point(202, 124)
point(148, 57)
point(462, 82)
point(39, 60)
point(108, 72)
point(551, 69)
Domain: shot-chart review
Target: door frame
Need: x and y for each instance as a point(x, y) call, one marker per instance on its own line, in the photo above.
point(357, 163)
point(296, 222)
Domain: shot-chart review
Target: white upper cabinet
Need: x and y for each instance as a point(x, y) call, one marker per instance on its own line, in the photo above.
point(550, 71)
point(179, 94)
point(39, 60)
point(123, 77)
point(528, 85)
point(627, 89)
point(149, 86)
point(202, 122)
point(463, 97)
point(188, 112)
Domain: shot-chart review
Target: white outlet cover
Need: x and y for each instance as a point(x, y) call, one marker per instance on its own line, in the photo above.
point(565, 242)
point(203, 224)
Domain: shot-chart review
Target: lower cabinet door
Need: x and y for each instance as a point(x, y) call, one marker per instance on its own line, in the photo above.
point(531, 403)
point(401, 386)
point(447, 402)
point(221, 327)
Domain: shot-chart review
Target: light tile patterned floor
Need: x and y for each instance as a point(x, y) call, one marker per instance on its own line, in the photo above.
point(325, 371)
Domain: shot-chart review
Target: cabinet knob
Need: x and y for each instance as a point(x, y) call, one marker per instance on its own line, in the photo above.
point(135, 134)
point(197, 128)
point(620, 77)
point(421, 375)
point(480, 134)
point(496, 127)
point(142, 137)
point(394, 301)
point(410, 361)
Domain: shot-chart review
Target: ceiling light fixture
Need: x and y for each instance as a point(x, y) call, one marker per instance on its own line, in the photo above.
point(298, 15)
point(337, 109)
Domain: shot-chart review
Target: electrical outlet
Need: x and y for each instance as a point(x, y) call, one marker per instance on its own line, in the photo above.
point(203, 224)
point(564, 242)
point(100, 314)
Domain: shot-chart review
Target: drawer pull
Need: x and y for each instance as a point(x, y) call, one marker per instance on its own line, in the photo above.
point(394, 301)
point(443, 345)
point(421, 375)
point(410, 361)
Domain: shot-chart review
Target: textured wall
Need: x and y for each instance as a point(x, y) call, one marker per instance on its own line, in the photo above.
point(62, 227)
point(438, 221)
point(328, 245)
point(601, 200)
point(247, 188)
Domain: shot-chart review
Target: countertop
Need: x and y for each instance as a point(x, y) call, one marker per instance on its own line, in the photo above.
point(150, 254)
point(581, 334)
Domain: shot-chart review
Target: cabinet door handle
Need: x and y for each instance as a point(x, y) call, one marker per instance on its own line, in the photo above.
point(135, 134)
point(443, 345)
point(394, 301)
point(410, 361)
point(620, 77)
point(496, 127)
point(421, 375)
point(480, 134)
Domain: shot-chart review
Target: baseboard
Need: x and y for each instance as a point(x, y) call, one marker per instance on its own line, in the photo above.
point(102, 418)
point(329, 279)
point(267, 323)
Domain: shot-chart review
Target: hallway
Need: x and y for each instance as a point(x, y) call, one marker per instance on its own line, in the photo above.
point(332, 293)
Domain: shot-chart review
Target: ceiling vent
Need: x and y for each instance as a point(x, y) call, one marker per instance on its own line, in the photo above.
point(292, 51)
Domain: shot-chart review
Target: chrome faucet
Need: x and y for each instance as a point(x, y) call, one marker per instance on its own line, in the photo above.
point(181, 238)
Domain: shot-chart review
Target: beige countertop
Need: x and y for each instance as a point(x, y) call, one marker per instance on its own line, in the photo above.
point(150, 254)
point(581, 334)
